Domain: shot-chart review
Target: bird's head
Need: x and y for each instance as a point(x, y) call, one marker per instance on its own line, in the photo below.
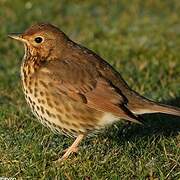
point(44, 40)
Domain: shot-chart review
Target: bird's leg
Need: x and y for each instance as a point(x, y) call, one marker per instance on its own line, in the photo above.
point(72, 148)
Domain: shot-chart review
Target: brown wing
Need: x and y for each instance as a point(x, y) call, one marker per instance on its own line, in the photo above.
point(82, 82)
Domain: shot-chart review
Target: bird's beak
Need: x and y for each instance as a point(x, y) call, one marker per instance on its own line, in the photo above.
point(17, 36)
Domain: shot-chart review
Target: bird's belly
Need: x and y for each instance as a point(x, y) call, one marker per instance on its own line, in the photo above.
point(65, 115)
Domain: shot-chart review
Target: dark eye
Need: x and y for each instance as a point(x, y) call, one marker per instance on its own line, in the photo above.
point(38, 39)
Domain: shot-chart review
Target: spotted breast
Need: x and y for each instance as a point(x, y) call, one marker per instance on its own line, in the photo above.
point(54, 109)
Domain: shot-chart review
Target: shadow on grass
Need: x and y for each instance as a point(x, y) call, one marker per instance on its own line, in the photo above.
point(153, 124)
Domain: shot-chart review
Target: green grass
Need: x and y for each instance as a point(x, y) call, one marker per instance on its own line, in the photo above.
point(141, 39)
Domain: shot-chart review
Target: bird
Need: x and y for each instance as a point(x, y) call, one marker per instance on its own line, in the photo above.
point(72, 90)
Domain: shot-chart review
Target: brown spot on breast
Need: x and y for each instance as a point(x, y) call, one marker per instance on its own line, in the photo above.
point(41, 117)
point(67, 108)
point(48, 123)
point(29, 99)
point(59, 118)
point(39, 100)
point(41, 93)
point(46, 94)
point(42, 109)
point(56, 103)
point(36, 83)
point(43, 84)
point(30, 90)
point(51, 84)
point(35, 89)
point(49, 102)
point(33, 108)
point(75, 125)
point(79, 110)
point(25, 81)
point(43, 101)
point(26, 96)
point(45, 119)
point(73, 131)
point(24, 72)
point(28, 70)
point(75, 116)
point(91, 119)
point(56, 126)
point(29, 83)
point(36, 114)
point(90, 126)
point(65, 122)
point(59, 110)
point(48, 113)
point(90, 111)
point(35, 94)
point(83, 118)
point(53, 115)
point(67, 116)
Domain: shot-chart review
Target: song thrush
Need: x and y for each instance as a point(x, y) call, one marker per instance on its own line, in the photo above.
point(73, 90)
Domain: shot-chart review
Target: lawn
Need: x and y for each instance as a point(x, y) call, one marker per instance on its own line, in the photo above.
point(141, 39)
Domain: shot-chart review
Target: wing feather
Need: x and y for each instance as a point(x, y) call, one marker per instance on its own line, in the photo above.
point(83, 83)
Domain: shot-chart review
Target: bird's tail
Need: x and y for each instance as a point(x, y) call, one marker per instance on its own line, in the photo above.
point(162, 108)
point(146, 106)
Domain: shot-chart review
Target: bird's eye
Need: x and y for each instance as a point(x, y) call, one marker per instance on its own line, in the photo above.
point(38, 39)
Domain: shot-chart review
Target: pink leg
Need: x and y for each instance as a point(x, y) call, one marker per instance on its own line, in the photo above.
point(72, 148)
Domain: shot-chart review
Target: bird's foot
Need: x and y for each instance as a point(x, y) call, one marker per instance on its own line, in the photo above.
point(68, 151)
point(72, 149)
